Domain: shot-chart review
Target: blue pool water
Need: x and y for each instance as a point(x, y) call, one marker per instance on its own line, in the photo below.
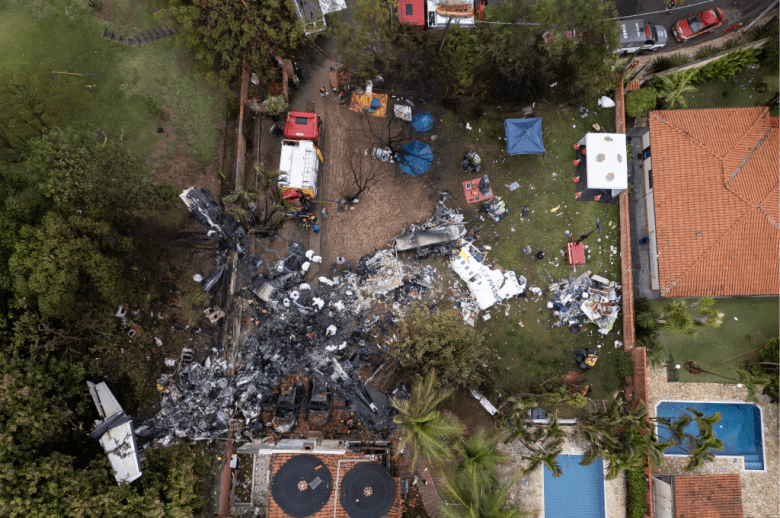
point(739, 428)
point(578, 492)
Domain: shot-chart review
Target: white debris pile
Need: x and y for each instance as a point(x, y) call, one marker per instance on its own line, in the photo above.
point(487, 286)
point(585, 298)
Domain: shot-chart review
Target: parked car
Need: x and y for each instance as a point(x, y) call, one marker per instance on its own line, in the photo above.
point(319, 411)
point(692, 26)
point(636, 35)
point(286, 418)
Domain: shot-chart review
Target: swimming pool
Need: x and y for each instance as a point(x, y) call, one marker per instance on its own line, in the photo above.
point(578, 492)
point(739, 428)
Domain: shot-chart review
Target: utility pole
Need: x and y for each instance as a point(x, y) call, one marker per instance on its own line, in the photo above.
point(447, 28)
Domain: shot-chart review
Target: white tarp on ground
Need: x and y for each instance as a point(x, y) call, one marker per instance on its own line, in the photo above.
point(330, 6)
point(403, 112)
point(486, 286)
point(607, 161)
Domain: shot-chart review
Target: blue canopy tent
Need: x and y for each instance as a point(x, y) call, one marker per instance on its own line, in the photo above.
point(415, 158)
point(523, 136)
point(422, 122)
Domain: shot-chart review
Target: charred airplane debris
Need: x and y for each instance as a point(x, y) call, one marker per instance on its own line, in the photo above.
point(439, 234)
point(331, 330)
point(585, 298)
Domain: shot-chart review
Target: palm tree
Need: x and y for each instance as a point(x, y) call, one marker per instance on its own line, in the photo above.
point(276, 106)
point(479, 454)
point(472, 497)
point(548, 456)
point(423, 428)
point(674, 86)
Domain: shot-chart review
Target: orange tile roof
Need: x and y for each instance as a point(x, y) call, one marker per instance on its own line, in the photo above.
point(717, 209)
point(331, 462)
point(707, 496)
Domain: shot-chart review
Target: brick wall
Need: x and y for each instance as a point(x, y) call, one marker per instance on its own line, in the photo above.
point(627, 279)
point(636, 385)
point(238, 166)
point(427, 487)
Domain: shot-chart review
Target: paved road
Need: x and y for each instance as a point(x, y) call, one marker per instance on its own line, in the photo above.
point(736, 11)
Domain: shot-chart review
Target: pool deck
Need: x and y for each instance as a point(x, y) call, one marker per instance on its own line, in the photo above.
point(528, 492)
point(760, 496)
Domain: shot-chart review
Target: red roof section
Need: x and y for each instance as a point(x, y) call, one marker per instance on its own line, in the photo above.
point(707, 496)
point(411, 12)
point(717, 210)
point(331, 462)
point(301, 126)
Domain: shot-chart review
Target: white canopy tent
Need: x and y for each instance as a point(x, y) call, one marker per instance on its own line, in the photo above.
point(607, 161)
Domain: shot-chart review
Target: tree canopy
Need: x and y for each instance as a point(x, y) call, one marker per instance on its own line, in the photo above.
point(220, 31)
point(64, 237)
point(443, 342)
point(31, 100)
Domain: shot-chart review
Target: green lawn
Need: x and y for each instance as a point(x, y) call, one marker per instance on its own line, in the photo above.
point(65, 36)
point(530, 349)
point(740, 91)
point(719, 349)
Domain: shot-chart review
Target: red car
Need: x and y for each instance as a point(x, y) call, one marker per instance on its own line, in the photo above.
point(703, 22)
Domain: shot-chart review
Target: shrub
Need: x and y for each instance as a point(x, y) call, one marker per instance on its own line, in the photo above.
point(625, 364)
point(733, 43)
point(155, 109)
point(770, 357)
point(770, 55)
point(726, 66)
point(276, 106)
point(706, 51)
point(762, 86)
point(661, 64)
point(678, 59)
point(635, 493)
point(641, 101)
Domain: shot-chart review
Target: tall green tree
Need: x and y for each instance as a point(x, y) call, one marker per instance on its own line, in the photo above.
point(220, 31)
point(65, 235)
point(368, 44)
point(442, 342)
point(32, 99)
point(479, 453)
point(471, 495)
point(569, 69)
point(423, 428)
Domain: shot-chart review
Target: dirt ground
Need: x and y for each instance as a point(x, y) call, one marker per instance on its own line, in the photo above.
point(397, 200)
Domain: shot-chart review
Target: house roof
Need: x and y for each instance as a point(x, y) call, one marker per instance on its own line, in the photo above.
point(338, 473)
point(717, 210)
point(411, 12)
point(707, 496)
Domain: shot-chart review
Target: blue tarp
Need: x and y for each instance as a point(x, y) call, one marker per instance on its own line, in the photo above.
point(415, 158)
point(422, 122)
point(523, 136)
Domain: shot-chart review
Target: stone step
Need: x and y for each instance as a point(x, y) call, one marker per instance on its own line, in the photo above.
point(151, 35)
point(160, 33)
point(114, 37)
point(165, 30)
point(132, 40)
point(173, 30)
point(142, 37)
